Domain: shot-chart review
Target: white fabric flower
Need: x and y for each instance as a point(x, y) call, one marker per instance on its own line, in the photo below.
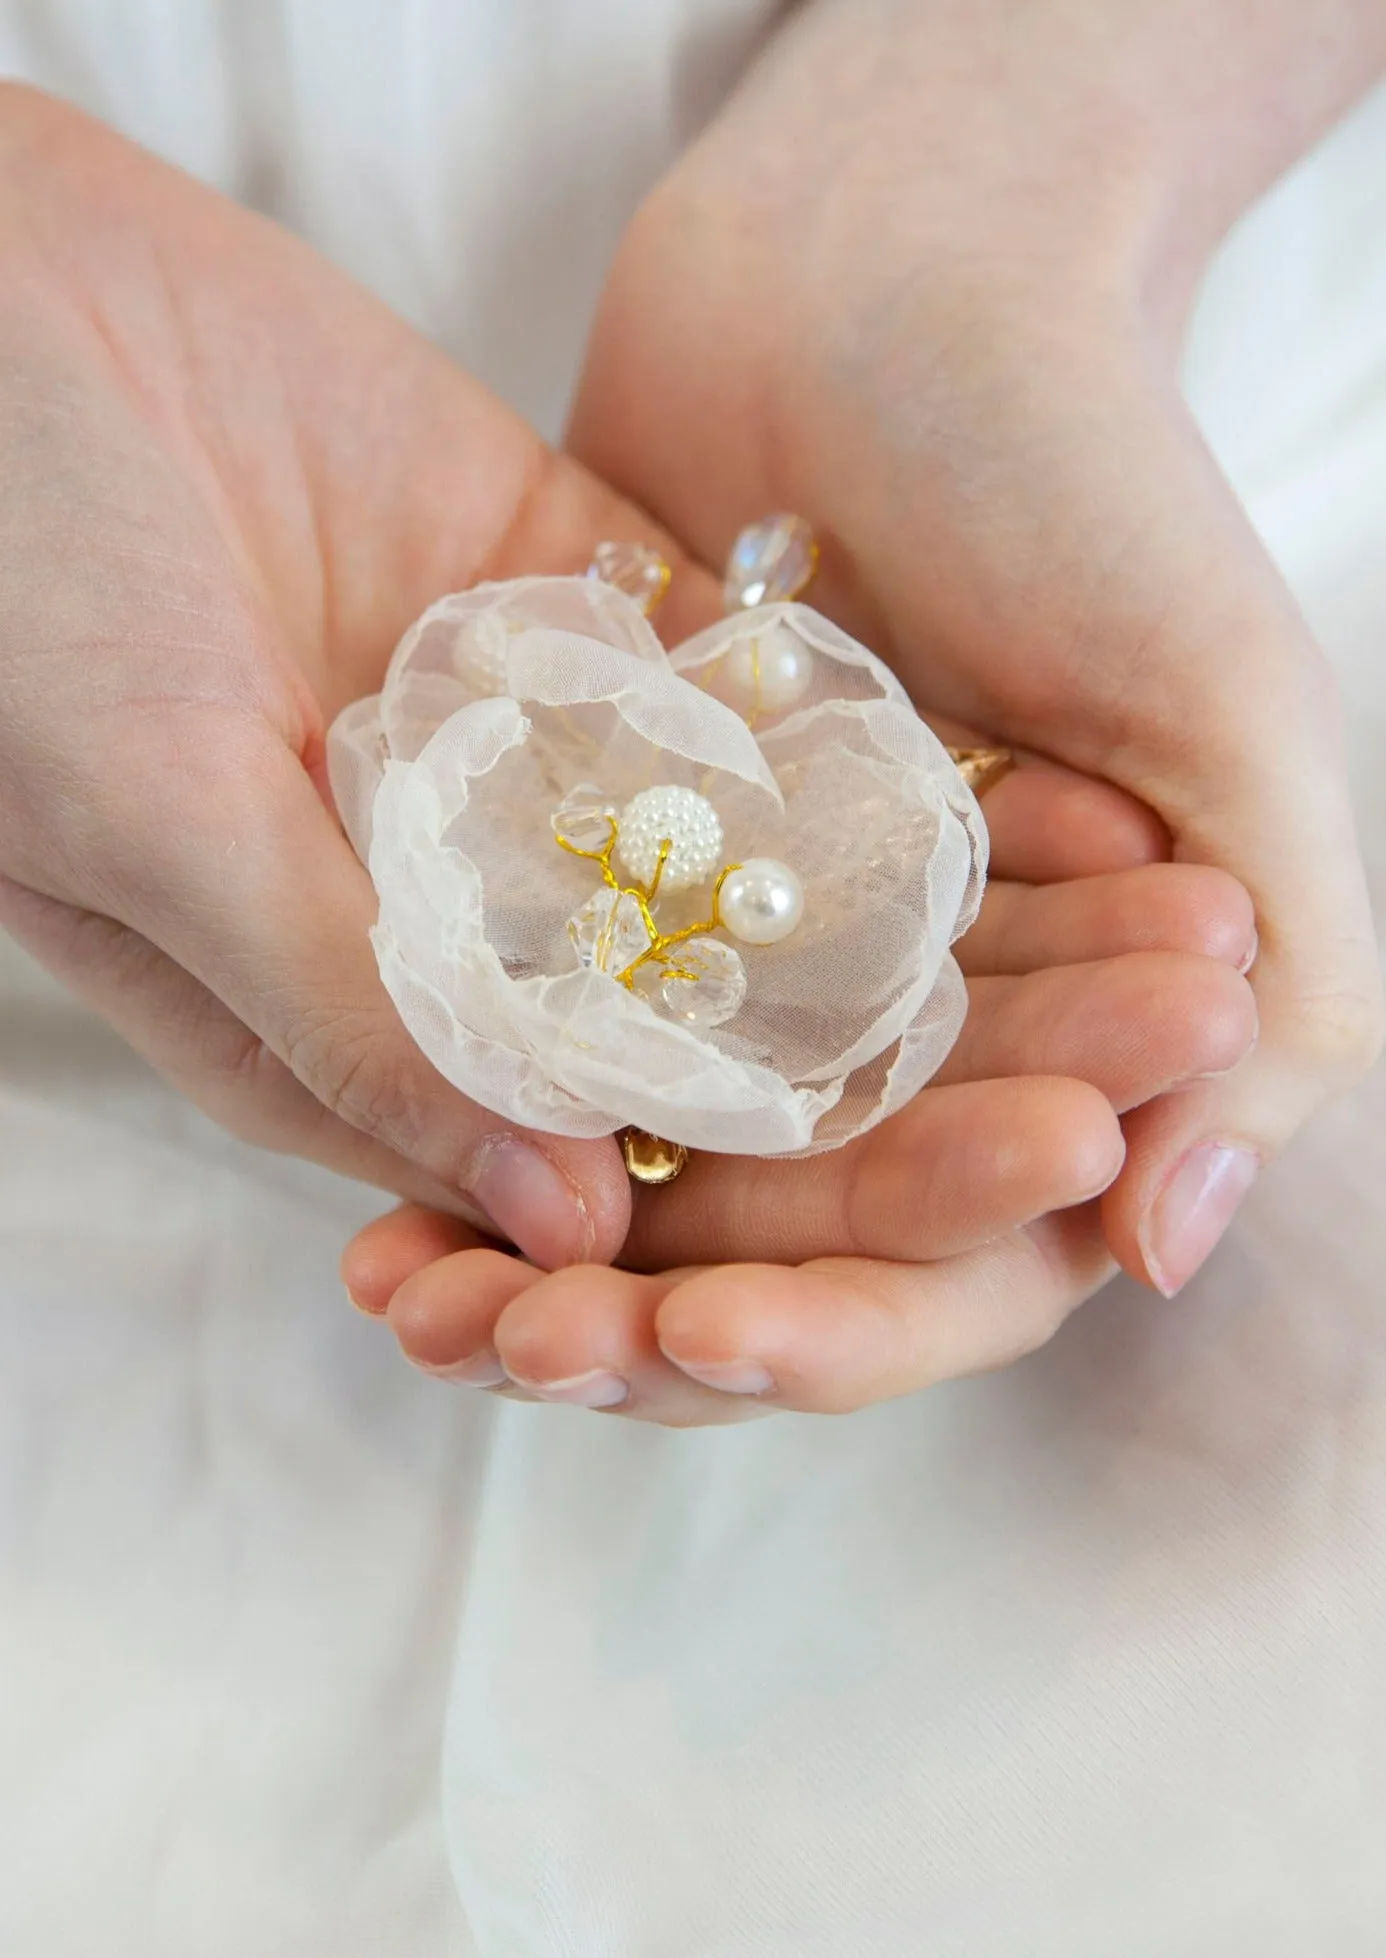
point(498, 705)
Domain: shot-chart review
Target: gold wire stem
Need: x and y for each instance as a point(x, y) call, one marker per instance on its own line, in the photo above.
point(602, 856)
point(650, 605)
point(666, 844)
point(754, 714)
point(660, 941)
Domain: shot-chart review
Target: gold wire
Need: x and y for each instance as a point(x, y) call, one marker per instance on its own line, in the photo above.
point(660, 941)
point(649, 606)
point(756, 700)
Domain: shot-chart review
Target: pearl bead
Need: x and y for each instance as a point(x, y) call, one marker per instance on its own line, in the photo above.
point(771, 670)
point(689, 822)
point(762, 901)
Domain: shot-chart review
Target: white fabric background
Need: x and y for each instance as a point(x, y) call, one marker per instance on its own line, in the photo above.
point(1085, 1660)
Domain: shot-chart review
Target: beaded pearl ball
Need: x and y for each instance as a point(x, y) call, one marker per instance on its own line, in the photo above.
point(771, 670)
point(762, 901)
point(689, 822)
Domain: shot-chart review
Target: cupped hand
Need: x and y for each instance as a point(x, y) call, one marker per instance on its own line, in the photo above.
point(231, 480)
point(922, 282)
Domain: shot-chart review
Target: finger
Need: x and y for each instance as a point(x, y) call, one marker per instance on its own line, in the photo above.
point(840, 1334)
point(1047, 823)
point(687, 1348)
point(586, 1338)
point(1161, 908)
point(1189, 1174)
point(257, 894)
point(955, 1168)
point(1131, 1026)
point(444, 1315)
point(390, 1249)
point(577, 1338)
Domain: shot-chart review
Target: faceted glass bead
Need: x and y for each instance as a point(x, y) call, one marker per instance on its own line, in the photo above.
point(716, 989)
point(609, 932)
point(584, 817)
point(634, 569)
point(770, 563)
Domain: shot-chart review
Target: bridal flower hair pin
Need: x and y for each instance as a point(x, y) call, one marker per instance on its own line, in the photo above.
point(703, 896)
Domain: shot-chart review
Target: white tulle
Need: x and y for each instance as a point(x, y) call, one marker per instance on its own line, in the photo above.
point(496, 704)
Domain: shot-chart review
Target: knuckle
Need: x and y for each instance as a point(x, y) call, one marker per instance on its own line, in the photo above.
point(243, 1087)
point(339, 1057)
point(230, 1073)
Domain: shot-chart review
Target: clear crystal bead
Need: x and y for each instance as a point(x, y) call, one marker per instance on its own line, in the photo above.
point(770, 563)
point(635, 569)
point(609, 932)
point(584, 817)
point(714, 991)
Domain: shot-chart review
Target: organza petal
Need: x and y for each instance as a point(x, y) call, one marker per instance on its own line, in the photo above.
point(498, 703)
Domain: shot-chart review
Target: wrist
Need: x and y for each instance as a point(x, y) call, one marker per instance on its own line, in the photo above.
point(1236, 92)
point(1111, 138)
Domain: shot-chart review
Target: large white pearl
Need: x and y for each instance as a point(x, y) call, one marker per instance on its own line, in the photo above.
point(770, 671)
point(762, 901)
point(688, 821)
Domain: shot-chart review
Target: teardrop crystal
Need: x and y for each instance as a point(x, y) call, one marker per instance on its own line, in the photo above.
point(770, 563)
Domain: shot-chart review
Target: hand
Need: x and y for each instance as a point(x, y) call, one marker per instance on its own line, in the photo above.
point(923, 282)
point(231, 480)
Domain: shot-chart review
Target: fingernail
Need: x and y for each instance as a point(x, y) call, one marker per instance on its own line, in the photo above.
point(1193, 1210)
point(595, 1389)
point(727, 1376)
point(481, 1370)
point(371, 1311)
point(531, 1201)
